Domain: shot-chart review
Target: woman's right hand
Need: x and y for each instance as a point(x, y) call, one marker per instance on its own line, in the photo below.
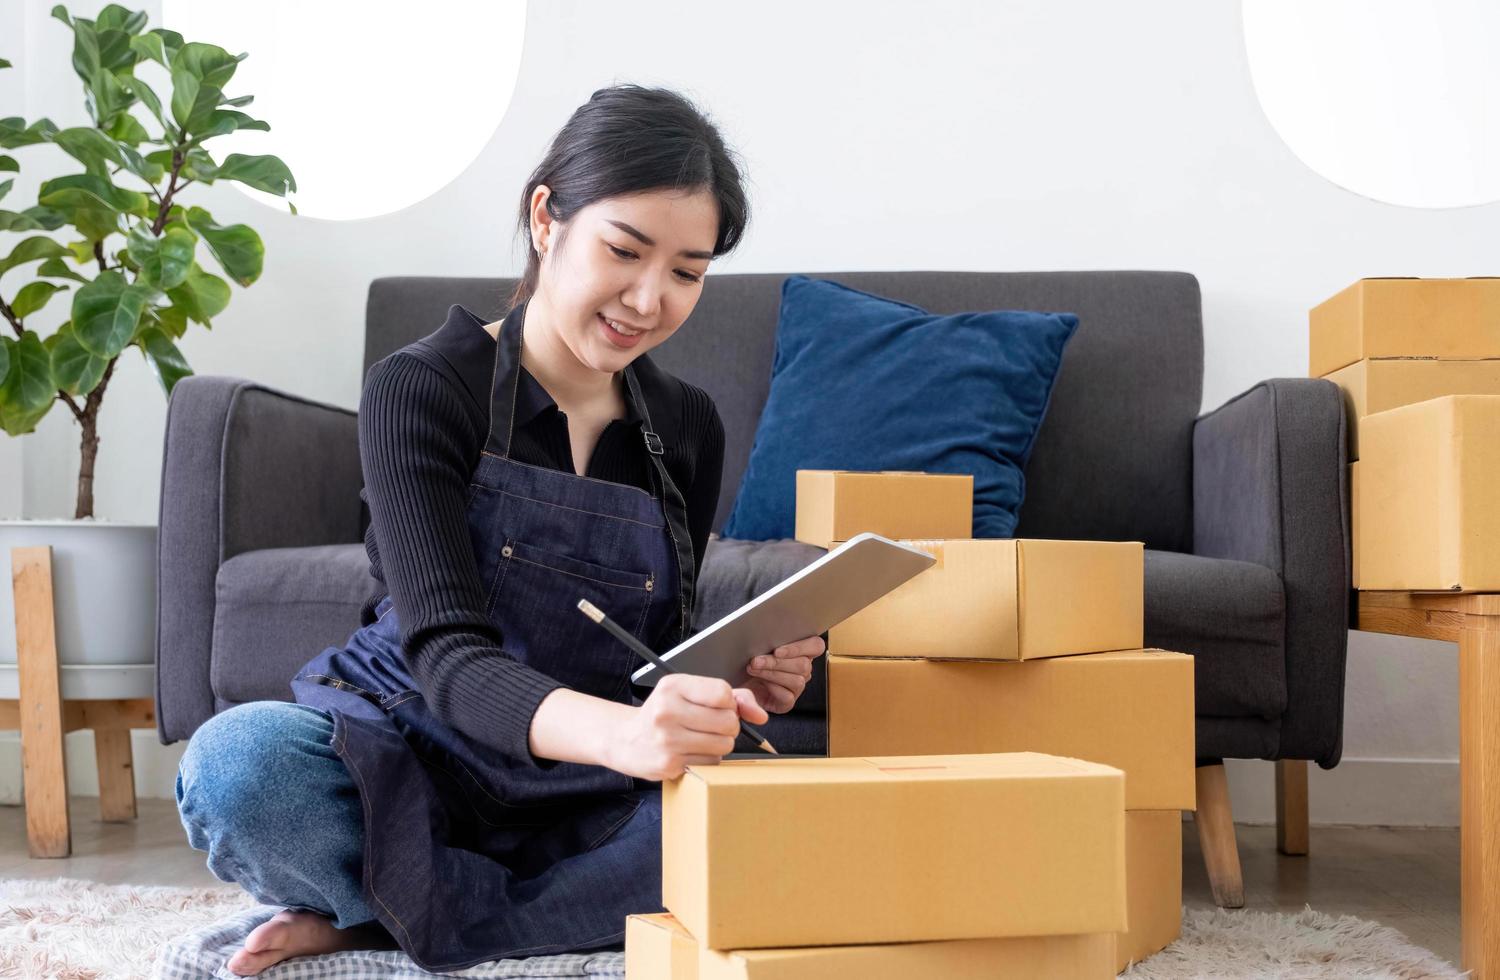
point(686, 721)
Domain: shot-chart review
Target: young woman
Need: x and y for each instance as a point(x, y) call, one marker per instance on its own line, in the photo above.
point(472, 776)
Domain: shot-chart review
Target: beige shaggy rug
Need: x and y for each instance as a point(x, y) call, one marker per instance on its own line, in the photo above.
point(64, 929)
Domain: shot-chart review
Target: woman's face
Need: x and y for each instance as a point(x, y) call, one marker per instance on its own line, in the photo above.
point(637, 260)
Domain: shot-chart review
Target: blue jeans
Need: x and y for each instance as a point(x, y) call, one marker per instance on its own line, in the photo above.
point(261, 789)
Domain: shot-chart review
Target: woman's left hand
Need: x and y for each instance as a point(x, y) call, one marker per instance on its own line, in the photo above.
point(777, 679)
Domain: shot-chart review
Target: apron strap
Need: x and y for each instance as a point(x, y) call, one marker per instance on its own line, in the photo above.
point(673, 507)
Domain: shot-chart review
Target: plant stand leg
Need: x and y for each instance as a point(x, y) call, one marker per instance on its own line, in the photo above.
point(116, 774)
point(44, 766)
point(1479, 779)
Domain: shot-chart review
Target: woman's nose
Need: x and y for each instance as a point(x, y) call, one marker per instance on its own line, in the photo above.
point(644, 297)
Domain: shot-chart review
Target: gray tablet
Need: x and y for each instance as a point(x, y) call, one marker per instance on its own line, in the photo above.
point(809, 603)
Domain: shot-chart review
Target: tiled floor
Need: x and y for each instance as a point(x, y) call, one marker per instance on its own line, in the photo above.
point(1407, 879)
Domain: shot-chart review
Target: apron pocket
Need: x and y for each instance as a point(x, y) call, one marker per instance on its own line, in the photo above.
point(519, 551)
point(534, 602)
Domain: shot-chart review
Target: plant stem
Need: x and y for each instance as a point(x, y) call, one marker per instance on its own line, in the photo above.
point(10, 315)
point(89, 447)
point(178, 158)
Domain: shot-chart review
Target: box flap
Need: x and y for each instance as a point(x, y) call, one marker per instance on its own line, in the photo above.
point(785, 772)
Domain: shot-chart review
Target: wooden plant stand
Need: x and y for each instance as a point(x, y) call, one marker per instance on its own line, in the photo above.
point(1473, 621)
point(43, 717)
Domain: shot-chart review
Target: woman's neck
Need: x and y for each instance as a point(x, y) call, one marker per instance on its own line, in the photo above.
point(568, 380)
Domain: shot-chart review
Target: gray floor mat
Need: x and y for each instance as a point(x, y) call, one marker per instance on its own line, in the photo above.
point(202, 954)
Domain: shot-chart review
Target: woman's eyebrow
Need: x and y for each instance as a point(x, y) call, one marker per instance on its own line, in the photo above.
point(647, 241)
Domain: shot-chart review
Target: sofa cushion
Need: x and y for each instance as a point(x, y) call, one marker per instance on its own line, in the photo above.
point(277, 608)
point(861, 382)
point(1231, 616)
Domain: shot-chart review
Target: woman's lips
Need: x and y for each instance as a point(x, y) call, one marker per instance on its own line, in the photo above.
point(615, 337)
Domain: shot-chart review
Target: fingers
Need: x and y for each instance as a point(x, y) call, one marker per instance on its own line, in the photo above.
point(772, 697)
point(809, 647)
point(749, 706)
point(710, 692)
point(785, 674)
point(710, 721)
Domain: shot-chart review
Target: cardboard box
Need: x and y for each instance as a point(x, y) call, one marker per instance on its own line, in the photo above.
point(819, 852)
point(1436, 318)
point(1354, 523)
point(1085, 957)
point(835, 505)
point(1131, 709)
point(1153, 884)
point(657, 947)
point(1429, 512)
point(1006, 599)
point(1378, 386)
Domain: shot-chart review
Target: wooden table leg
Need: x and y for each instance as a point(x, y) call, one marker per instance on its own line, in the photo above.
point(1479, 768)
point(43, 764)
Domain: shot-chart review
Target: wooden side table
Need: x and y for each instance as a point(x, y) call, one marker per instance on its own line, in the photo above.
point(43, 717)
point(1473, 621)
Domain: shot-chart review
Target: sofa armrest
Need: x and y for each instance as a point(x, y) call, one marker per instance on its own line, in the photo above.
point(244, 467)
point(1270, 486)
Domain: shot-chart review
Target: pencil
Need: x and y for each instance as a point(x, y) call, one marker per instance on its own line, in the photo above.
point(597, 615)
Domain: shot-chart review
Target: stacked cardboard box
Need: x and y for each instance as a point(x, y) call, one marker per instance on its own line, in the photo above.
point(972, 865)
point(1419, 363)
point(1016, 645)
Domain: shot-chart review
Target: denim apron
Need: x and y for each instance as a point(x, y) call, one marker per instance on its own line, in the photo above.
point(469, 854)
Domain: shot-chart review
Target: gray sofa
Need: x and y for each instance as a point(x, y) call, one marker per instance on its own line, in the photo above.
point(1243, 510)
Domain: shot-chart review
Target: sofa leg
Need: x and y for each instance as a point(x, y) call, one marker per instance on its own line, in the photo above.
point(1291, 806)
point(1215, 825)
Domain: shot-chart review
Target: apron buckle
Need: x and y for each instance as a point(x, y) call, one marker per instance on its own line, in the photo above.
point(653, 442)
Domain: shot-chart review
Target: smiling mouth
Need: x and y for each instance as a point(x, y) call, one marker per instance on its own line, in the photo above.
point(620, 328)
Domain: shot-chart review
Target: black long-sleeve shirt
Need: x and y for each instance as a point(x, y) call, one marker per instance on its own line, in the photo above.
point(420, 438)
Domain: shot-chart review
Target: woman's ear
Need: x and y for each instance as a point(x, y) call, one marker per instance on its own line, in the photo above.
point(541, 220)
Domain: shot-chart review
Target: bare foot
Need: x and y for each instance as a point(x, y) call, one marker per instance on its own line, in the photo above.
point(291, 933)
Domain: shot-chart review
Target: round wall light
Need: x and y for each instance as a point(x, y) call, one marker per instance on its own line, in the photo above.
point(373, 105)
point(1393, 100)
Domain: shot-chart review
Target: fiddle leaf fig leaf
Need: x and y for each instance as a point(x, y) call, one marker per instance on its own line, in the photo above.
point(33, 296)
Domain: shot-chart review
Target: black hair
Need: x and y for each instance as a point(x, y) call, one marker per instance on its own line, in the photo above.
point(626, 139)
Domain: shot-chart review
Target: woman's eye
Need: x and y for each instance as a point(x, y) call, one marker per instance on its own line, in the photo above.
point(682, 274)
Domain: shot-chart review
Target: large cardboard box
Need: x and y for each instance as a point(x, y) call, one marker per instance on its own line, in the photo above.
point(1429, 514)
point(1006, 599)
point(1086, 957)
point(1153, 884)
point(818, 852)
point(1129, 709)
point(1435, 318)
point(657, 947)
point(1372, 386)
point(835, 505)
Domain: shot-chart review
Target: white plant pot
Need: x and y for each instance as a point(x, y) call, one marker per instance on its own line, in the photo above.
point(104, 602)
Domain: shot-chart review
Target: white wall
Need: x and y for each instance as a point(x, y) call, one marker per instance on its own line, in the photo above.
point(950, 135)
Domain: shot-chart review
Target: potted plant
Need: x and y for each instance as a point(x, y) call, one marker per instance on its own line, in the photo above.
point(133, 259)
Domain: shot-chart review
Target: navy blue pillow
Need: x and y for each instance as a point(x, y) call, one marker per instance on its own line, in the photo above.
point(861, 382)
